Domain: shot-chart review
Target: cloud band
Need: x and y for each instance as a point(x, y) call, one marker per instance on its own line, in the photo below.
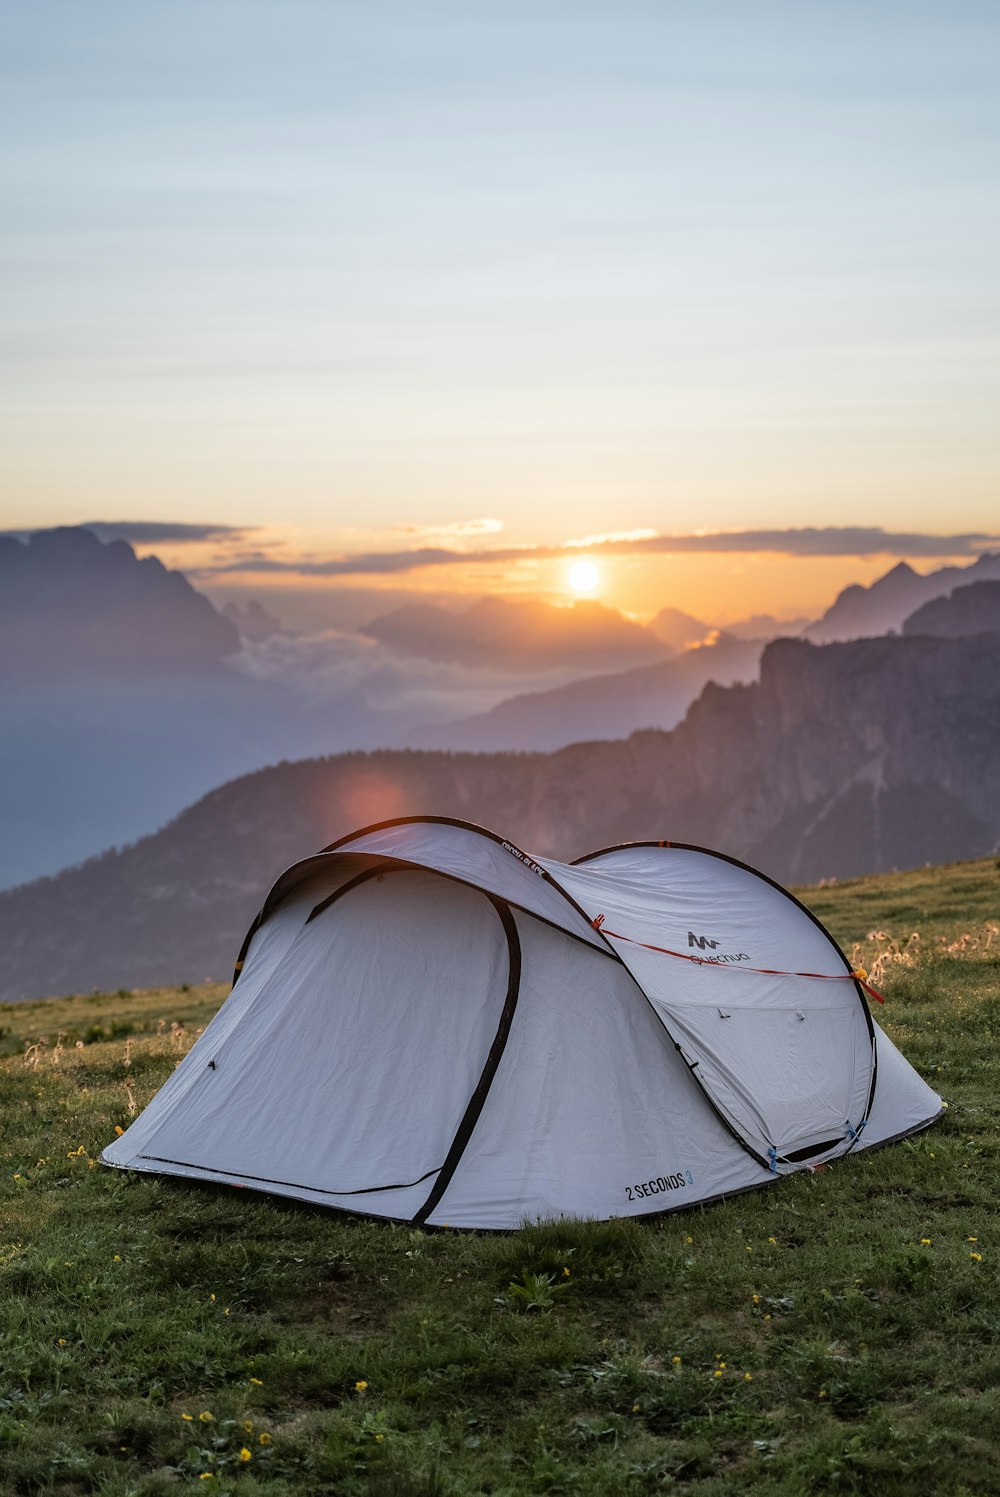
point(810, 541)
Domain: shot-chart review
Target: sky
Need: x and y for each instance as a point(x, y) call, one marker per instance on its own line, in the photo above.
point(336, 281)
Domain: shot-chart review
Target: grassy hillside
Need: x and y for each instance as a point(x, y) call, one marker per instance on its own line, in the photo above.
point(838, 1332)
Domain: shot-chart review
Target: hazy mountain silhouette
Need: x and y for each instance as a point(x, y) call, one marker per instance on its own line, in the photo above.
point(252, 621)
point(72, 607)
point(608, 706)
point(968, 610)
point(504, 633)
point(678, 630)
point(864, 612)
point(843, 759)
point(126, 694)
point(764, 626)
point(120, 703)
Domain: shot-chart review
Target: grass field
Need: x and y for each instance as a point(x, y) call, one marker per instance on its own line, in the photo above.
point(838, 1332)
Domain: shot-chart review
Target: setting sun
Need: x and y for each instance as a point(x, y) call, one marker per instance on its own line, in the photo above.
point(583, 577)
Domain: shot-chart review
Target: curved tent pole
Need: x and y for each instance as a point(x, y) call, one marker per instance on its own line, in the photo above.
point(343, 845)
point(482, 831)
point(478, 1099)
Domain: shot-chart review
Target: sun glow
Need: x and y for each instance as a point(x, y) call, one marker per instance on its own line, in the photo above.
point(583, 578)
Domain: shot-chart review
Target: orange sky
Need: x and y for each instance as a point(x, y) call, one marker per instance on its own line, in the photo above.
point(717, 588)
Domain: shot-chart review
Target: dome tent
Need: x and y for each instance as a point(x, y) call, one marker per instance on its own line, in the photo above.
point(429, 1025)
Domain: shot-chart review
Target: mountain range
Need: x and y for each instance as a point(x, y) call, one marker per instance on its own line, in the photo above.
point(863, 612)
point(841, 759)
point(127, 694)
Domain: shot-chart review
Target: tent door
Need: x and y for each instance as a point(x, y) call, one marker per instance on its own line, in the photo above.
point(790, 1081)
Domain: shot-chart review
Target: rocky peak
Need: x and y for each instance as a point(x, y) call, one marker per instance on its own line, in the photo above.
point(73, 606)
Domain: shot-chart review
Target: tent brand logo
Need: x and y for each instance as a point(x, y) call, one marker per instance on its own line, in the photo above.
point(659, 1186)
point(522, 857)
point(704, 943)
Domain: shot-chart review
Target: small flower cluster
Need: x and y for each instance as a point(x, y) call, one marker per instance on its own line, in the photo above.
point(974, 1254)
point(221, 1453)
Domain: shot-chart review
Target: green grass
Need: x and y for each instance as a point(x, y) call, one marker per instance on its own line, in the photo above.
point(834, 1333)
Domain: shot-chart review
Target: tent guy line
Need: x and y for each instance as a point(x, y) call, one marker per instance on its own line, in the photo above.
point(857, 974)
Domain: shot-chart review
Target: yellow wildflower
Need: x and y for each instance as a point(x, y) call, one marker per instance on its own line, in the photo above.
point(565, 1272)
point(379, 1439)
point(822, 1393)
point(205, 1417)
point(756, 1299)
point(117, 1258)
point(677, 1361)
point(748, 1377)
point(257, 1382)
point(926, 1242)
point(265, 1438)
point(188, 1418)
point(246, 1455)
point(636, 1407)
point(972, 1239)
point(718, 1372)
point(773, 1240)
point(248, 1426)
point(360, 1385)
point(207, 1476)
point(976, 1257)
point(61, 1341)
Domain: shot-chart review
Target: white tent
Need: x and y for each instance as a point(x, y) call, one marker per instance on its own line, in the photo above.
point(430, 1025)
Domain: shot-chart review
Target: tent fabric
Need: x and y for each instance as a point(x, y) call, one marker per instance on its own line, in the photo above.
point(430, 1025)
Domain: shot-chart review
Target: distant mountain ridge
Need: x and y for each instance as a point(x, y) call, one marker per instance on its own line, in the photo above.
point(71, 606)
point(679, 630)
point(503, 632)
point(864, 612)
point(842, 759)
point(608, 706)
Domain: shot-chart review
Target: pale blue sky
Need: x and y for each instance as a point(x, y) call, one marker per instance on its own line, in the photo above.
point(575, 266)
